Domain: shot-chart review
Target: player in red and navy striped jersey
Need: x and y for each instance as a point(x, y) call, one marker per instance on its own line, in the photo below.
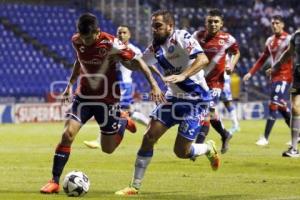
point(98, 92)
point(281, 79)
point(216, 44)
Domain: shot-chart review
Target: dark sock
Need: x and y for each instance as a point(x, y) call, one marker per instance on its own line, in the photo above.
point(218, 126)
point(271, 120)
point(203, 133)
point(269, 126)
point(285, 112)
point(60, 159)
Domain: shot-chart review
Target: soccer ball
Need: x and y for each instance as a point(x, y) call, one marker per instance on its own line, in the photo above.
point(76, 184)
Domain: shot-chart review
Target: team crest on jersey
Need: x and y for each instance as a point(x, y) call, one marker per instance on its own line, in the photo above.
point(103, 52)
point(221, 42)
point(81, 49)
point(171, 49)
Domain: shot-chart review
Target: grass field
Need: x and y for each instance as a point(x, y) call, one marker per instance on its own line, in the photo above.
point(248, 172)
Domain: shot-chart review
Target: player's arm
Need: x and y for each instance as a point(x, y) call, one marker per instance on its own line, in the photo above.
point(199, 63)
point(287, 54)
point(233, 61)
point(259, 63)
point(155, 94)
point(75, 74)
point(156, 71)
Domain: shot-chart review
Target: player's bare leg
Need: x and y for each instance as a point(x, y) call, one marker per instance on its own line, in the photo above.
point(233, 117)
point(154, 131)
point(61, 155)
point(185, 148)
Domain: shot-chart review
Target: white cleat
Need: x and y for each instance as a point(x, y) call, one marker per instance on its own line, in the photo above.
point(94, 144)
point(234, 130)
point(262, 141)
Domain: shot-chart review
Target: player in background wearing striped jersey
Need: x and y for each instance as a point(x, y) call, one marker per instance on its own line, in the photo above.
point(126, 87)
point(293, 51)
point(97, 93)
point(182, 60)
point(280, 80)
point(216, 44)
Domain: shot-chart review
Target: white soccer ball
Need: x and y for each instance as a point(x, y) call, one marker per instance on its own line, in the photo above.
point(76, 184)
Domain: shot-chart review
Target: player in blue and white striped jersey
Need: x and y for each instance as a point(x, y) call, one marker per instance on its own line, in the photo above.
point(182, 60)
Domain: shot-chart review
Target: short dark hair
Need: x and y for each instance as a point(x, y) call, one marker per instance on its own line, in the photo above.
point(216, 12)
point(87, 23)
point(126, 26)
point(278, 17)
point(167, 16)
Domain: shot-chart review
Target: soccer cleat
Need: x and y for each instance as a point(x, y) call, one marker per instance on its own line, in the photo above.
point(93, 144)
point(50, 188)
point(262, 141)
point(213, 155)
point(128, 191)
point(291, 152)
point(130, 123)
point(225, 143)
point(234, 129)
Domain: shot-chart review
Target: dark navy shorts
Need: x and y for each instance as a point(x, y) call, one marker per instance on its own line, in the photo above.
point(280, 92)
point(106, 115)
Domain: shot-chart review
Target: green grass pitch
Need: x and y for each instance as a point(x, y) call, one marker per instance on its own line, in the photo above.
point(248, 172)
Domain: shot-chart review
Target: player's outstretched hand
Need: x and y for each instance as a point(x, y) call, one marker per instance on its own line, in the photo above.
point(175, 78)
point(228, 69)
point(269, 72)
point(157, 95)
point(247, 77)
point(67, 95)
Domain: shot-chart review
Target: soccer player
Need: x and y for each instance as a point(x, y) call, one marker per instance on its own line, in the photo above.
point(281, 80)
point(126, 87)
point(182, 60)
point(216, 44)
point(293, 49)
point(95, 66)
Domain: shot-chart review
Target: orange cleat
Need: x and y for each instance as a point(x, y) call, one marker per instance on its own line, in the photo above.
point(213, 155)
point(130, 123)
point(50, 188)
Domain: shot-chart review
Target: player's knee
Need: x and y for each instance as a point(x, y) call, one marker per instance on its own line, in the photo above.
point(181, 153)
point(273, 107)
point(68, 136)
point(296, 110)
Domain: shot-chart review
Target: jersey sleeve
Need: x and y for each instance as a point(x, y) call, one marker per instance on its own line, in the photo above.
point(122, 50)
point(234, 47)
point(261, 60)
point(137, 51)
point(149, 57)
point(189, 44)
